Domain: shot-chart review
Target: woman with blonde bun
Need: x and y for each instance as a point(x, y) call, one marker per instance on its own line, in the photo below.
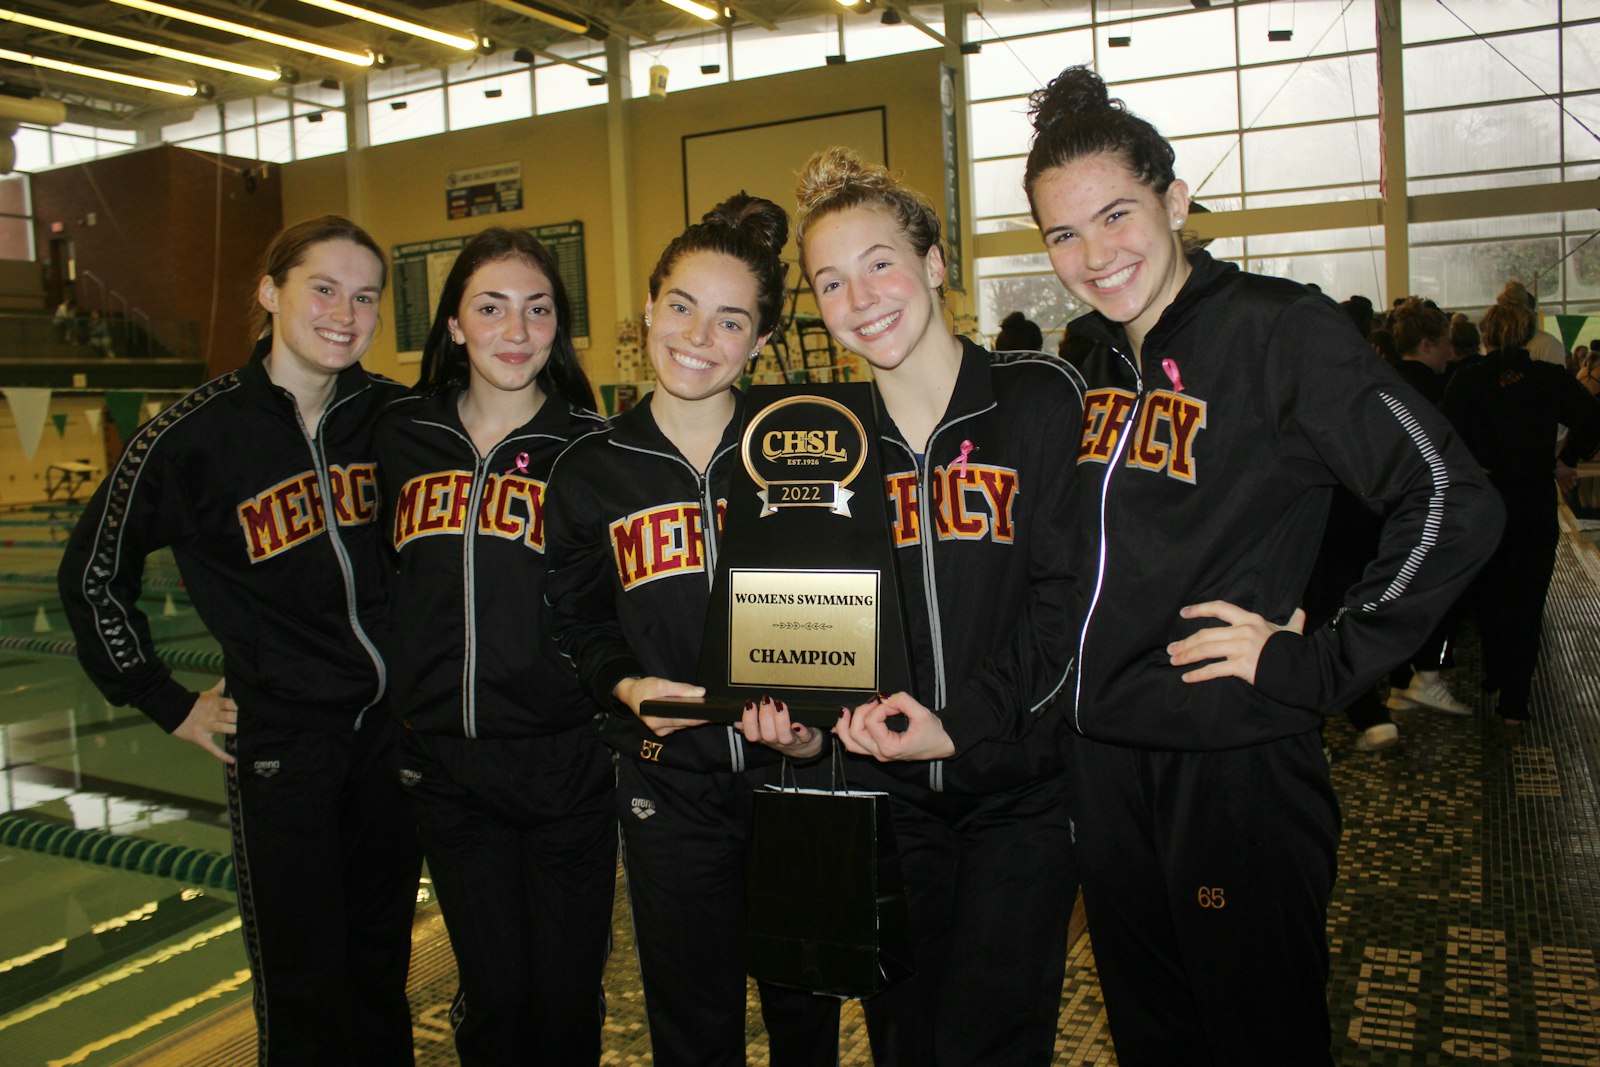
point(1222, 410)
point(972, 450)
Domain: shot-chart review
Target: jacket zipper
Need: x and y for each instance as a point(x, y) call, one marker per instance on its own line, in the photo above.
point(330, 524)
point(1128, 428)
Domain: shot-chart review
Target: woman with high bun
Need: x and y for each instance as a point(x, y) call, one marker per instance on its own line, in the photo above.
point(1222, 408)
point(972, 450)
point(633, 523)
point(500, 754)
point(1507, 407)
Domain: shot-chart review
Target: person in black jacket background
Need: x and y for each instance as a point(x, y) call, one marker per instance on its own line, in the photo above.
point(501, 755)
point(1222, 409)
point(262, 483)
point(1506, 407)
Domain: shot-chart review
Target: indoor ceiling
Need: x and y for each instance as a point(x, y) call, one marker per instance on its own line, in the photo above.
point(497, 25)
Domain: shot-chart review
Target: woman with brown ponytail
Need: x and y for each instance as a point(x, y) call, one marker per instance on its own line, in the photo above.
point(1222, 409)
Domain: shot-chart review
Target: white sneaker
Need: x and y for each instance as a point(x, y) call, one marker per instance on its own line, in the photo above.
point(1378, 737)
point(1427, 690)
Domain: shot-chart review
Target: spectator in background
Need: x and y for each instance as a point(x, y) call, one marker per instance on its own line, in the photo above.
point(1382, 342)
point(1018, 333)
point(1359, 308)
point(65, 320)
point(1588, 371)
point(1467, 344)
point(1542, 346)
point(1506, 408)
point(100, 335)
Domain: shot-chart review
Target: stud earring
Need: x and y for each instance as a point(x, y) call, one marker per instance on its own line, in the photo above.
point(647, 321)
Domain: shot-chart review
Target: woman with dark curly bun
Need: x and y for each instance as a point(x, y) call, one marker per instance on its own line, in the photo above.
point(1222, 409)
point(630, 615)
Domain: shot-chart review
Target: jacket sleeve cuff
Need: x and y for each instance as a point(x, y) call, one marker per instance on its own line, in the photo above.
point(1286, 670)
point(607, 674)
point(168, 704)
point(962, 730)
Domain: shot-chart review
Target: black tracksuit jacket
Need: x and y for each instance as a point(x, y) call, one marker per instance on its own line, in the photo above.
point(229, 480)
point(470, 653)
point(1204, 473)
point(631, 565)
point(983, 566)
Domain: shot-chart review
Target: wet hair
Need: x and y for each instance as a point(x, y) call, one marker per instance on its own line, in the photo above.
point(751, 230)
point(1018, 333)
point(837, 179)
point(1074, 117)
point(1416, 321)
point(1464, 338)
point(444, 362)
point(289, 249)
point(1509, 323)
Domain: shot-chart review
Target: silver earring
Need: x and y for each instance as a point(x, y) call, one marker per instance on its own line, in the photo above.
point(647, 320)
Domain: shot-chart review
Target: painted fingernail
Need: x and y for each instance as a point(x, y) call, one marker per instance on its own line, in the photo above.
point(781, 706)
point(749, 705)
point(882, 699)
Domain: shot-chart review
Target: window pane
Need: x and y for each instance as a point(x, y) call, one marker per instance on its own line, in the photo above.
point(16, 239)
point(1199, 40)
point(311, 95)
point(1479, 138)
point(1309, 92)
point(997, 188)
point(1205, 103)
point(1278, 244)
point(1341, 152)
point(1463, 18)
point(1470, 72)
point(1319, 26)
point(422, 116)
point(33, 148)
point(1010, 67)
point(1466, 182)
point(13, 196)
point(1038, 296)
point(1581, 144)
point(323, 138)
point(70, 149)
point(1029, 16)
point(1583, 270)
point(237, 114)
point(205, 120)
point(999, 127)
point(1469, 275)
point(1209, 164)
point(271, 108)
point(1338, 274)
point(1580, 58)
point(273, 142)
point(204, 144)
point(870, 39)
point(1481, 229)
point(398, 80)
point(801, 46)
point(241, 142)
point(1003, 224)
point(559, 87)
point(470, 107)
point(1336, 194)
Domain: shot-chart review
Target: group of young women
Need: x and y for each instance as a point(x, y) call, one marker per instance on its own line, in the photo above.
point(1100, 584)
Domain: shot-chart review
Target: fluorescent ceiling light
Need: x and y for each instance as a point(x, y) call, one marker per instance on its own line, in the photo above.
point(378, 18)
point(849, 3)
point(559, 19)
point(362, 59)
point(697, 10)
point(96, 72)
point(146, 47)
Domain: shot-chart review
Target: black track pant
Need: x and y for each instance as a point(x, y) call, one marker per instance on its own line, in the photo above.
point(684, 836)
point(327, 862)
point(1206, 878)
point(1511, 593)
point(521, 840)
point(990, 884)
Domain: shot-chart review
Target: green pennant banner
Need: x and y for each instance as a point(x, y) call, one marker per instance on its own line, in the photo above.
point(125, 407)
point(1577, 329)
point(60, 419)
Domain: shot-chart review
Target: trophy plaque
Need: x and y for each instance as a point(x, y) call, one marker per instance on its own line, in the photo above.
point(805, 606)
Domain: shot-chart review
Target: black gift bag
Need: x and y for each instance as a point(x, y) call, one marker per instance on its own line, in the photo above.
point(827, 909)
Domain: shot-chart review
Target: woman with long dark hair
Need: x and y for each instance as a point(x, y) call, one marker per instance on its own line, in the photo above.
point(500, 751)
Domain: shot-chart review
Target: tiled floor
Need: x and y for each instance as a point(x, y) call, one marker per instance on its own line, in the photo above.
point(1464, 926)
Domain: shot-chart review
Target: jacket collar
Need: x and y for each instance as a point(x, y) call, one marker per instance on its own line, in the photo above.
point(973, 392)
point(637, 428)
point(352, 380)
point(555, 417)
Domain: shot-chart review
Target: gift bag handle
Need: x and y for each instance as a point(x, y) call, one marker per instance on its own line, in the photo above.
point(837, 782)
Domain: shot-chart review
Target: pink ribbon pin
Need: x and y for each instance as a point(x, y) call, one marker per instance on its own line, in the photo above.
point(522, 464)
point(961, 460)
point(1171, 367)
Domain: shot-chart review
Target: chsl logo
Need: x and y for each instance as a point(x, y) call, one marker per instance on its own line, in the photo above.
point(803, 452)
